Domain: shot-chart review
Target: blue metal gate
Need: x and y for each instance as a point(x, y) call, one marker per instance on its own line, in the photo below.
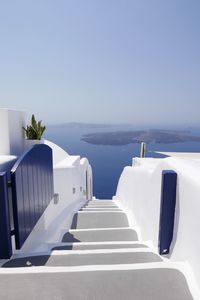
point(32, 189)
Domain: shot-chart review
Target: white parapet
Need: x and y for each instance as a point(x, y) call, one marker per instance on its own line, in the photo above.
point(12, 138)
point(139, 194)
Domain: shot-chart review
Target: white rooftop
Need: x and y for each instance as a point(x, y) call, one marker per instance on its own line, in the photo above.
point(181, 154)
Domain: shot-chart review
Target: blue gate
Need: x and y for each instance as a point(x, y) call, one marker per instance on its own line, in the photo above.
point(32, 189)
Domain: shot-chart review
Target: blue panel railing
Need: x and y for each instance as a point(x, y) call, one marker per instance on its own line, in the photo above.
point(167, 210)
point(32, 189)
point(5, 231)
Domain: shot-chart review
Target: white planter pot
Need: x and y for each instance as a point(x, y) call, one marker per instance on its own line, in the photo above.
point(29, 143)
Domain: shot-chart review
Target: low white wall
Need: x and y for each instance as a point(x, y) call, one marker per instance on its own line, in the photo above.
point(87, 178)
point(58, 153)
point(139, 192)
point(70, 181)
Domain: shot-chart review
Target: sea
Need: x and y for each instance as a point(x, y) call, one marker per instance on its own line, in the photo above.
point(108, 162)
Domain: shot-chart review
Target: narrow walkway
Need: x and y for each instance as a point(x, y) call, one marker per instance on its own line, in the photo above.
point(101, 258)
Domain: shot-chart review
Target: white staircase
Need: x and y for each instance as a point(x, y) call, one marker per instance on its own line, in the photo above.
point(101, 258)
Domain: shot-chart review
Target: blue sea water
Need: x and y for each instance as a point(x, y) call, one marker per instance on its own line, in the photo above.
point(108, 161)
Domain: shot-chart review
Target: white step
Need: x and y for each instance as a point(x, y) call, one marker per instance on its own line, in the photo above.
point(91, 283)
point(99, 245)
point(84, 258)
point(101, 235)
point(102, 219)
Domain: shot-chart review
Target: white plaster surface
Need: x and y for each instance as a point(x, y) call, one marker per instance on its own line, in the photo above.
point(182, 154)
point(59, 154)
point(139, 193)
point(12, 136)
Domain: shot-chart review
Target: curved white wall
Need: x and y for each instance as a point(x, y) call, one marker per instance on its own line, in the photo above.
point(58, 153)
point(139, 192)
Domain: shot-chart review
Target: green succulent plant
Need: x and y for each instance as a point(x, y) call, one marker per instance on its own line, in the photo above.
point(35, 130)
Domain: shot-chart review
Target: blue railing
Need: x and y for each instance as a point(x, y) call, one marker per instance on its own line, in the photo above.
point(167, 210)
point(32, 189)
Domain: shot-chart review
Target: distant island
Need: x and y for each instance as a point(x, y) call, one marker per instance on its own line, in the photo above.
point(147, 136)
point(77, 125)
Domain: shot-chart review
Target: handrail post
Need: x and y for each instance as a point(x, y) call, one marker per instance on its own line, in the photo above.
point(142, 150)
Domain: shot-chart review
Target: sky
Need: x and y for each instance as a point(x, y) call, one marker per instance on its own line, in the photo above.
point(102, 61)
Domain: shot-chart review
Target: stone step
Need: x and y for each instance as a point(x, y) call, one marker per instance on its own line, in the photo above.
point(69, 260)
point(101, 203)
point(102, 235)
point(91, 246)
point(85, 220)
point(101, 206)
point(100, 209)
point(143, 284)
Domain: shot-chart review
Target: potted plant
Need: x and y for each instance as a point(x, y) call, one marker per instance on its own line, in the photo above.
point(34, 132)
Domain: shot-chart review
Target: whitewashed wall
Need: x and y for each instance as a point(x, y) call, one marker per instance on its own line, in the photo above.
point(139, 192)
point(11, 133)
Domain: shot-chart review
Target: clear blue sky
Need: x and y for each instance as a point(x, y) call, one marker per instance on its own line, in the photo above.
point(135, 61)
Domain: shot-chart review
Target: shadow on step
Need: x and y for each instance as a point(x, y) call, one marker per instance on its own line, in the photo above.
point(30, 261)
point(73, 259)
point(108, 235)
point(98, 246)
point(74, 221)
point(69, 238)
